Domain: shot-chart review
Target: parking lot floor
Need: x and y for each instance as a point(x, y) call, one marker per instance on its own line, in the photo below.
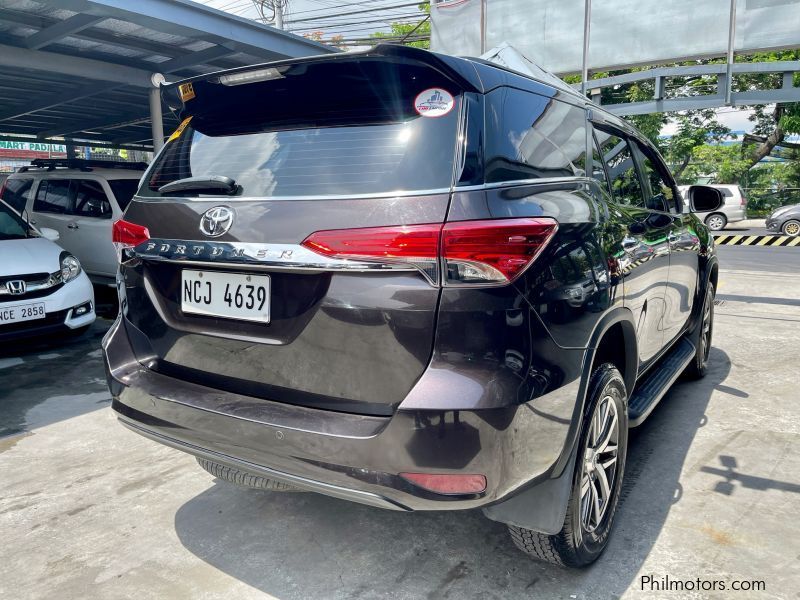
point(712, 491)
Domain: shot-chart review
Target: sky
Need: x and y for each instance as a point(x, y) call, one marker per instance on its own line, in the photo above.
point(735, 119)
point(356, 25)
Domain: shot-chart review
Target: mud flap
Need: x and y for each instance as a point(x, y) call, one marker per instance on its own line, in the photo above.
point(541, 507)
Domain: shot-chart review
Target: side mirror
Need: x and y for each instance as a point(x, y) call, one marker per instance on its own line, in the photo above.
point(704, 198)
point(49, 234)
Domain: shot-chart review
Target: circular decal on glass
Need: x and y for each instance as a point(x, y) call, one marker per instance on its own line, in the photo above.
point(434, 102)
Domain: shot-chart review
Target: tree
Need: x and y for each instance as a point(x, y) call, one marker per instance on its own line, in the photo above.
point(416, 34)
point(694, 127)
point(772, 123)
point(725, 164)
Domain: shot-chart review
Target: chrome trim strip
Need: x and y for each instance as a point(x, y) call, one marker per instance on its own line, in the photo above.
point(237, 199)
point(266, 256)
point(516, 182)
point(34, 286)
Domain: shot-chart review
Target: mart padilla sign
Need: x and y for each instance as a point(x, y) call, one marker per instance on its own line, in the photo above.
point(25, 148)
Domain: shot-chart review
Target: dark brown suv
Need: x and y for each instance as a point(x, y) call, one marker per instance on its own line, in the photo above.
point(413, 281)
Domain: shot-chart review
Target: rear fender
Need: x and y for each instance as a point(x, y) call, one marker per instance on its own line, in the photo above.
point(542, 505)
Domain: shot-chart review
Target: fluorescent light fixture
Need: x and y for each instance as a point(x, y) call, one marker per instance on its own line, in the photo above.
point(250, 76)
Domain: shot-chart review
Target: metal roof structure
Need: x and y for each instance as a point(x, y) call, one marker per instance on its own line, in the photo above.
point(88, 69)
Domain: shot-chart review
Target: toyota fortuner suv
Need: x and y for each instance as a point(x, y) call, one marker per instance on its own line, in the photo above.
point(413, 281)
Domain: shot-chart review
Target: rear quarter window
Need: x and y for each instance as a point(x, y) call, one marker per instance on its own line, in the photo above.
point(531, 136)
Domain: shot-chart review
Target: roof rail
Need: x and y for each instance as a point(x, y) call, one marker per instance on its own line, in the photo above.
point(83, 164)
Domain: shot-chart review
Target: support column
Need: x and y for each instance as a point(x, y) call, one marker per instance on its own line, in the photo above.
point(587, 20)
point(156, 117)
point(729, 56)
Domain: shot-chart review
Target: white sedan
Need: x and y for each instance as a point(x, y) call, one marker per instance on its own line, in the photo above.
point(43, 289)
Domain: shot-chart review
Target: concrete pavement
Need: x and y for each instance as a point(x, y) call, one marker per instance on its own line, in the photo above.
point(91, 510)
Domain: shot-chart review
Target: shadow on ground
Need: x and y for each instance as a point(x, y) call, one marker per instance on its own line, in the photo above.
point(305, 545)
point(43, 381)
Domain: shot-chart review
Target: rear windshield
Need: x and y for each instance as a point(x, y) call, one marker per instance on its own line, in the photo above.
point(331, 128)
point(123, 189)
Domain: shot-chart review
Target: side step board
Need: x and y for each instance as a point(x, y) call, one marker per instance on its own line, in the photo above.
point(649, 392)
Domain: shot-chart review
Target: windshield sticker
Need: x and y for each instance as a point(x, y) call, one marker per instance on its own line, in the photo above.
point(177, 133)
point(187, 91)
point(434, 102)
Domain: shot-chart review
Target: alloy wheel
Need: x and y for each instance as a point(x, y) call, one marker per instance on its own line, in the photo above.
point(715, 223)
point(705, 335)
point(792, 228)
point(599, 472)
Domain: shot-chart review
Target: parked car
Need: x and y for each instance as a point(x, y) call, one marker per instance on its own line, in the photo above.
point(408, 291)
point(785, 220)
point(43, 289)
point(733, 210)
point(80, 200)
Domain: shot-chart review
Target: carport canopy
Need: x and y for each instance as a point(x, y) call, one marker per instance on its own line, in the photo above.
point(87, 70)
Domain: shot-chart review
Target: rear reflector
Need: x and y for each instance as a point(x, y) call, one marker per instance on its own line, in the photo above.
point(493, 251)
point(447, 483)
point(128, 235)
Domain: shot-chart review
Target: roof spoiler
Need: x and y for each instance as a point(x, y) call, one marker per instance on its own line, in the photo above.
point(459, 71)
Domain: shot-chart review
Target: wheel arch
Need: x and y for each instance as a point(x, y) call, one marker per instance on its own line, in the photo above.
point(542, 505)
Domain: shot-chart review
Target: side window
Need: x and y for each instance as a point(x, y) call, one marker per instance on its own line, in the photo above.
point(52, 196)
point(531, 136)
point(15, 193)
point(618, 157)
point(661, 196)
point(598, 170)
point(91, 200)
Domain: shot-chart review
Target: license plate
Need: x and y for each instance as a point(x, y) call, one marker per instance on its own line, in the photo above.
point(22, 312)
point(227, 295)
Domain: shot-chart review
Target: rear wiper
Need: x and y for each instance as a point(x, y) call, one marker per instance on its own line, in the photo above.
point(213, 184)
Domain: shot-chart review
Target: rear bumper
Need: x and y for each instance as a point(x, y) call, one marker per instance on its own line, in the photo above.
point(735, 215)
point(348, 456)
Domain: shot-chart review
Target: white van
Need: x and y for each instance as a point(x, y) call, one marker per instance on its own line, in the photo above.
point(734, 209)
point(80, 200)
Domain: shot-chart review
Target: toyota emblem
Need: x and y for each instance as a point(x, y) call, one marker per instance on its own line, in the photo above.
point(216, 221)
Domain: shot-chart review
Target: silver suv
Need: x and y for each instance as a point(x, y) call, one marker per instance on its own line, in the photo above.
point(80, 200)
point(734, 209)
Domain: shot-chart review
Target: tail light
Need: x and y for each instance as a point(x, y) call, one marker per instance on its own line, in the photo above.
point(492, 252)
point(417, 245)
point(128, 235)
point(495, 251)
point(447, 483)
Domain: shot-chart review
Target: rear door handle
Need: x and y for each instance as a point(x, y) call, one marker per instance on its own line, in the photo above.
point(73, 226)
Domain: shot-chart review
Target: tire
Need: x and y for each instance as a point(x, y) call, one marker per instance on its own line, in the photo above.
point(584, 536)
point(701, 337)
point(791, 228)
point(243, 479)
point(716, 221)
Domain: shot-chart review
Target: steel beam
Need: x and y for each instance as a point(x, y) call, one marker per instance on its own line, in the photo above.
point(40, 60)
point(196, 21)
point(170, 66)
point(101, 36)
point(60, 30)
